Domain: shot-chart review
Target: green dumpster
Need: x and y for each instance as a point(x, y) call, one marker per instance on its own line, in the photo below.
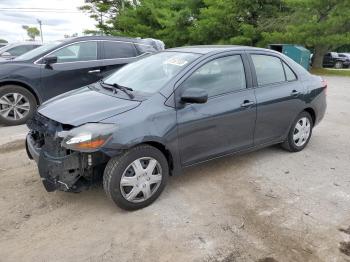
point(297, 52)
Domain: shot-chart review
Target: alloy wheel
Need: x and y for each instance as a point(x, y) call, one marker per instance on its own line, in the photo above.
point(302, 131)
point(14, 106)
point(141, 179)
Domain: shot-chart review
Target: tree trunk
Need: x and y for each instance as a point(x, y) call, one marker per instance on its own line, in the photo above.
point(317, 59)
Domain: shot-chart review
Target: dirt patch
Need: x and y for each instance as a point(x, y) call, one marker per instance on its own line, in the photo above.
point(345, 230)
point(267, 259)
point(12, 146)
point(265, 206)
point(345, 248)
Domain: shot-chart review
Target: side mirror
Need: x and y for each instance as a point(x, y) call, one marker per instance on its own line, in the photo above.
point(49, 60)
point(5, 54)
point(195, 96)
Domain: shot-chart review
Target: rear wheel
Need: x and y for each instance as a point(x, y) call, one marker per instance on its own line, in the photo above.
point(300, 133)
point(136, 179)
point(338, 65)
point(17, 105)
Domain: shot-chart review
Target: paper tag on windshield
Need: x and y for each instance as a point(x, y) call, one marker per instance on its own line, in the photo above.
point(176, 61)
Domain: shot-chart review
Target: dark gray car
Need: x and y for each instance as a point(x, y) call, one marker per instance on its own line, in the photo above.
point(171, 110)
point(61, 66)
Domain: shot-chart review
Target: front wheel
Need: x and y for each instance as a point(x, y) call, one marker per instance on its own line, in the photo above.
point(136, 179)
point(17, 105)
point(300, 133)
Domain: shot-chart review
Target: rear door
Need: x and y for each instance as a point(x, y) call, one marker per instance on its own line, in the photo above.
point(77, 65)
point(225, 123)
point(279, 97)
point(116, 54)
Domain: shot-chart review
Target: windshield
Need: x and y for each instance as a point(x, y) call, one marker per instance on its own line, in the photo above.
point(149, 74)
point(37, 51)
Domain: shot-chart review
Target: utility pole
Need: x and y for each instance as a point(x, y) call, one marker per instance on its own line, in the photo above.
point(41, 31)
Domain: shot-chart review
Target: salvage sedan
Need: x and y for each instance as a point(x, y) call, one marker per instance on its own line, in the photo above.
point(171, 110)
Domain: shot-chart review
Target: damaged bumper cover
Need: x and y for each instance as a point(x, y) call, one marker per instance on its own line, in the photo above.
point(60, 168)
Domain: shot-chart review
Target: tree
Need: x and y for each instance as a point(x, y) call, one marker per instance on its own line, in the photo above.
point(32, 32)
point(236, 22)
point(69, 36)
point(104, 12)
point(181, 22)
point(323, 25)
point(168, 20)
point(3, 41)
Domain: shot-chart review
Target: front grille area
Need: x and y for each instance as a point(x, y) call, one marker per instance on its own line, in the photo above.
point(44, 133)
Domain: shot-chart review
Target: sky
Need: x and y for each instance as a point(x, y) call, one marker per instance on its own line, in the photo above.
point(55, 24)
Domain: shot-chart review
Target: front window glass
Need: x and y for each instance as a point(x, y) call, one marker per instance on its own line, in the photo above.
point(83, 51)
point(150, 74)
point(37, 51)
point(219, 76)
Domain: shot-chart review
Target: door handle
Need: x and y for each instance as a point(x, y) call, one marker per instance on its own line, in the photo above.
point(94, 71)
point(295, 93)
point(247, 103)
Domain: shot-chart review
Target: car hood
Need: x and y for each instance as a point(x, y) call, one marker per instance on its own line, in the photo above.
point(84, 105)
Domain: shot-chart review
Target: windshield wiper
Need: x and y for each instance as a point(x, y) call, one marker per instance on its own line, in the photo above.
point(115, 86)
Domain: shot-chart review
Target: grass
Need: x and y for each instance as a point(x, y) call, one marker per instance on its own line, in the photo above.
point(331, 72)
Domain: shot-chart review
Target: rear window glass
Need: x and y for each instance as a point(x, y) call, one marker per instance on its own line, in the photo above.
point(268, 69)
point(118, 50)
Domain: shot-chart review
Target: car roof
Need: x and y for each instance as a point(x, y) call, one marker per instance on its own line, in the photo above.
point(10, 45)
point(97, 37)
point(205, 49)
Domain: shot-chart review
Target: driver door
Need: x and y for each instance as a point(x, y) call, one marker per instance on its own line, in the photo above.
point(77, 65)
point(226, 122)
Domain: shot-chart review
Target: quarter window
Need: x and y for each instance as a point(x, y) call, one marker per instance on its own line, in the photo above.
point(219, 76)
point(83, 51)
point(118, 50)
point(289, 73)
point(268, 69)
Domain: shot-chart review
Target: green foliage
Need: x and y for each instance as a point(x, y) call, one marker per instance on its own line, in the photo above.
point(331, 72)
point(104, 12)
point(3, 41)
point(322, 25)
point(32, 32)
point(170, 21)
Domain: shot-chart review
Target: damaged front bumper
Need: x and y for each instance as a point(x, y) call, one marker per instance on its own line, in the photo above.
point(61, 168)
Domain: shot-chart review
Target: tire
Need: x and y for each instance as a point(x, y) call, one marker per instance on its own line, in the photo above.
point(24, 109)
point(120, 167)
point(293, 145)
point(338, 65)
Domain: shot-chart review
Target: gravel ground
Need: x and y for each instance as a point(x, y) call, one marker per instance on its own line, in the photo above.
point(264, 206)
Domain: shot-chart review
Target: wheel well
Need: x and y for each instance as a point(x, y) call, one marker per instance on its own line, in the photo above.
point(312, 113)
point(165, 151)
point(24, 86)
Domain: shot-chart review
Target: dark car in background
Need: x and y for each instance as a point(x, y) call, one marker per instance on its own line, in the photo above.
point(61, 66)
point(333, 59)
point(183, 106)
point(345, 55)
point(11, 51)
